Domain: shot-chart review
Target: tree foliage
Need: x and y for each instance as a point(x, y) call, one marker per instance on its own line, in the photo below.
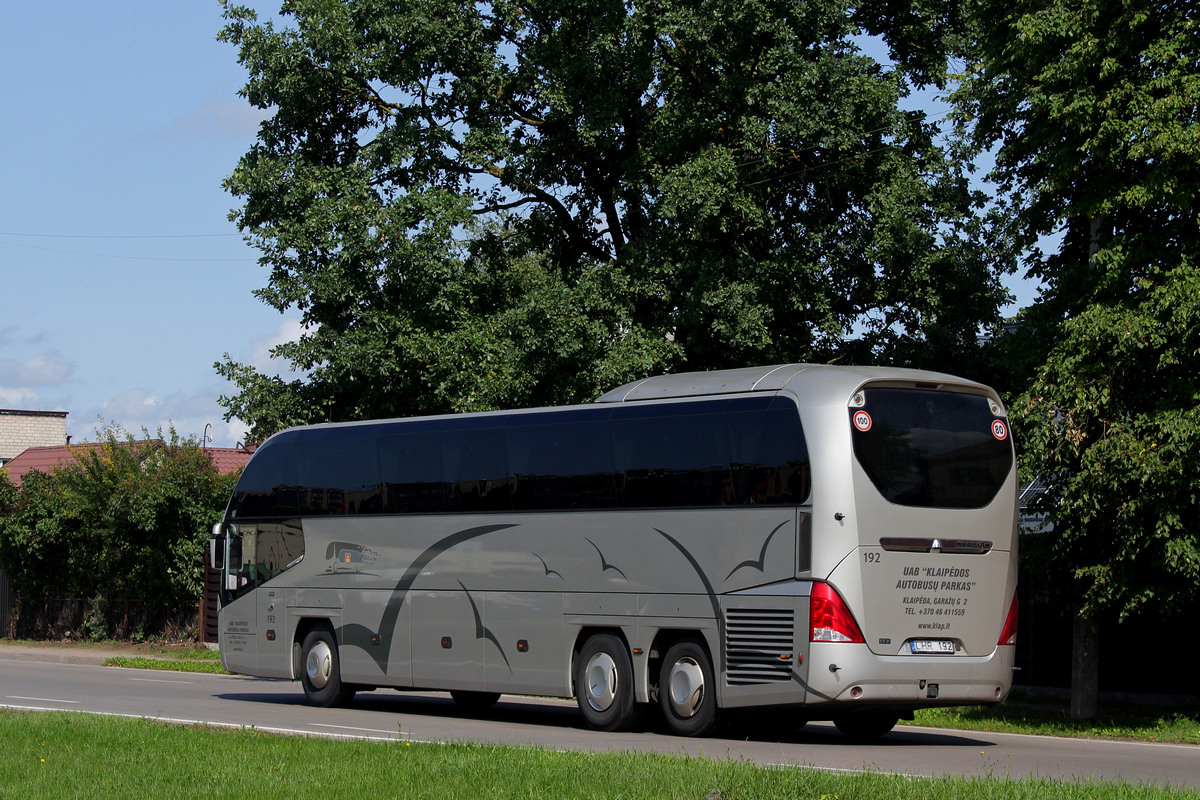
point(478, 205)
point(127, 520)
point(1093, 104)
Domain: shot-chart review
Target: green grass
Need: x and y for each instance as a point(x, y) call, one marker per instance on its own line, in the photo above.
point(1024, 713)
point(172, 665)
point(64, 755)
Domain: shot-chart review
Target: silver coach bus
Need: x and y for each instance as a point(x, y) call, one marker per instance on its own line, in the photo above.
point(825, 542)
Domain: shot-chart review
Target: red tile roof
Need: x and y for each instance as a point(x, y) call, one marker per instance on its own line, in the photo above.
point(228, 459)
point(45, 459)
point(41, 459)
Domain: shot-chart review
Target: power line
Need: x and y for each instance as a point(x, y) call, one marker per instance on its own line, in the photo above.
point(120, 236)
point(123, 257)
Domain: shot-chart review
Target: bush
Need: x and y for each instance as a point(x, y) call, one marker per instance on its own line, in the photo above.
point(128, 521)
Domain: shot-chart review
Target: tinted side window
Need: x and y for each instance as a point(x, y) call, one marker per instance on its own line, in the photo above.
point(411, 469)
point(768, 456)
point(562, 465)
point(679, 459)
point(267, 487)
point(339, 474)
point(475, 465)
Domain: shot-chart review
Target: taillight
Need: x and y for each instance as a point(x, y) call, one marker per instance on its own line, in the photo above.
point(829, 619)
point(1009, 634)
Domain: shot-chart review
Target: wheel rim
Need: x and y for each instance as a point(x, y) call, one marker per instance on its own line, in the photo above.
point(686, 689)
point(319, 665)
point(600, 681)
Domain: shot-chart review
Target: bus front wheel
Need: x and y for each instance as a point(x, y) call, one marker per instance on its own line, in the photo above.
point(604, 684)
point(686, 689)
point(322, 674)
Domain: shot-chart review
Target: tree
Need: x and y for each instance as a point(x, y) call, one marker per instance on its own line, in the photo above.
point(127, 520)
point(478, 205)
point(1093, 105)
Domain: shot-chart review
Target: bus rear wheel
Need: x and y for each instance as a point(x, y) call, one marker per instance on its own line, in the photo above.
point(322, 673)
point(866, 727)
point(687, 690)
point(604, 684)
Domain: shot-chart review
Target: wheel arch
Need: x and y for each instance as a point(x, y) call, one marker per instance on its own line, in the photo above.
point(304, 625)
point(664, 640)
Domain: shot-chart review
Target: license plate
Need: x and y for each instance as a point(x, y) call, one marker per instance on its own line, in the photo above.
point(926, 646)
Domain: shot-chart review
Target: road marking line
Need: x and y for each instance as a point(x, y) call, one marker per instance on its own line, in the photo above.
point(352, 728)
point(161, 680)
point(43, 699)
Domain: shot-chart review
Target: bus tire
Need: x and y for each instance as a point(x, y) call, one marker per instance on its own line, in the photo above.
point(687, 690)
point(604, 684)
point(321, 675)
point(866, 727)
point(474, 701)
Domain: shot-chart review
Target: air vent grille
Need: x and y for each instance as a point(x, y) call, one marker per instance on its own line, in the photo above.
point(759, 645)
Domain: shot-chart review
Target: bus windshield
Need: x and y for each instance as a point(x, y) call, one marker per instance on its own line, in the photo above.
point(931, 449)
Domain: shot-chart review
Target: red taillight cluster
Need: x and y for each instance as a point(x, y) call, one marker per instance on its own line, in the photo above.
point(1009, 634)
point(829, 618)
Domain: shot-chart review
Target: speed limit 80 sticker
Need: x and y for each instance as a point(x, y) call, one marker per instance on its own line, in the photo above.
point(1000, 430)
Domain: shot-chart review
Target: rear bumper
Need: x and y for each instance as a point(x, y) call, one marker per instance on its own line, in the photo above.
point(850, 675)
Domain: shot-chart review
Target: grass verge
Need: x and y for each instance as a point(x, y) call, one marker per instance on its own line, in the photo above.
point(64, 755)
point(137, 662)
point(1024, 713)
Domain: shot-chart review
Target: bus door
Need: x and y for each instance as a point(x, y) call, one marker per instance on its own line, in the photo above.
point(253, 618)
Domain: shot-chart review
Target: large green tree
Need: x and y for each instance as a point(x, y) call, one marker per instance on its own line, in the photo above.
point(476, 205)
point(1093, 105)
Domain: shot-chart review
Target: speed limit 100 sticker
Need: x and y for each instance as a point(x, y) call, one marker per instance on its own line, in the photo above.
point(862, 421)
point(1000, 430)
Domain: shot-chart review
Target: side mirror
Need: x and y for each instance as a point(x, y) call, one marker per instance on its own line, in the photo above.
point(216, 547)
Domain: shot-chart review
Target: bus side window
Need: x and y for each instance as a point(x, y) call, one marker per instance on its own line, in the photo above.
point(769, 457)
point(411, 469)
point(672, 460)
point(562, 466)
point(476, 469)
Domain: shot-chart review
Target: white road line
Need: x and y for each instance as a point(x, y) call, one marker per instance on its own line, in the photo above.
point(200, 723)
point(352, 728)
point(43, 699)
point(845, 770)
point(161, 680)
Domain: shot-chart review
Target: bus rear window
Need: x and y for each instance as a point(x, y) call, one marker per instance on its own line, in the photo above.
point(932, 449)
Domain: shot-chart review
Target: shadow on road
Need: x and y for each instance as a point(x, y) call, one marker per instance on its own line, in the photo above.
point(513, 710)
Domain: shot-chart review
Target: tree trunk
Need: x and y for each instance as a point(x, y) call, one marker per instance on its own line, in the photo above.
point(1085, 666)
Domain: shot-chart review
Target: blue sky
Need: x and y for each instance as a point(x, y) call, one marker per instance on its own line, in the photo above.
point(121, 279)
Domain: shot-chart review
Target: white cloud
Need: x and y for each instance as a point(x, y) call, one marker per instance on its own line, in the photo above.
point(135, 409)
point(224, 117)
point(289, 330)
point(44, 369)
point(17, 396)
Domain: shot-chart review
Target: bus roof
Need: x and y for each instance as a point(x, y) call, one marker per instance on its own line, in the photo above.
point(767, 379)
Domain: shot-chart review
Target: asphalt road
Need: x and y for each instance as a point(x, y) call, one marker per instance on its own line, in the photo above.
point(279, 706)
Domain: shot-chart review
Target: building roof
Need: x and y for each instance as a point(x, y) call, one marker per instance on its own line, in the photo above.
point(40, 459)
point(45, 459)
point(228, 459)
point(19, 413)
